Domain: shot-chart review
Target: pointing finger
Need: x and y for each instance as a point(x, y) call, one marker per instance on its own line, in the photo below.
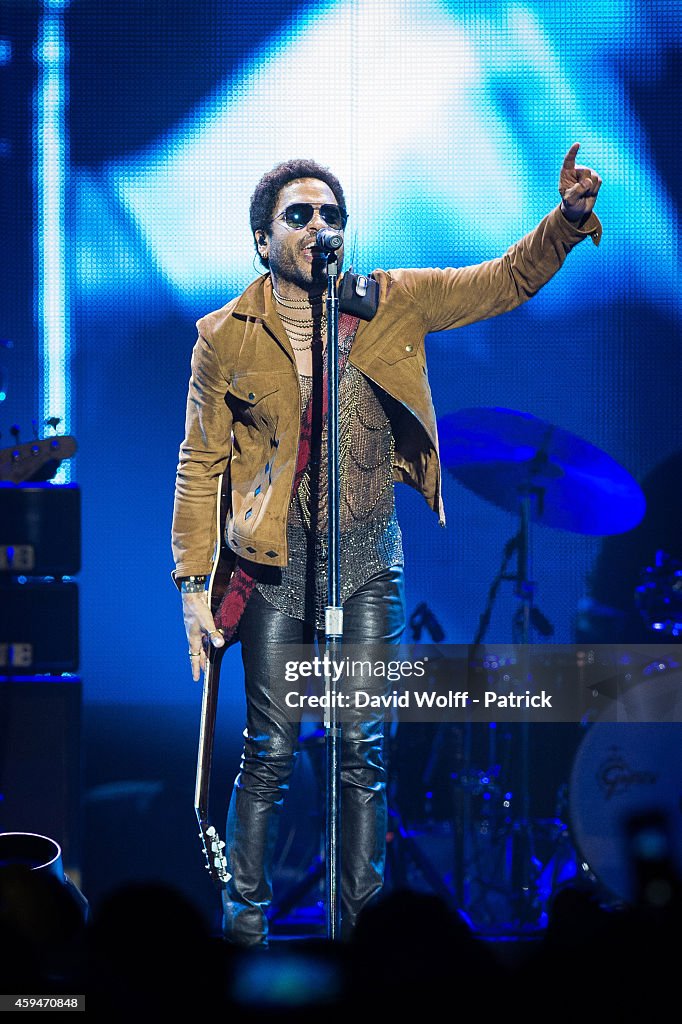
point(569, 159)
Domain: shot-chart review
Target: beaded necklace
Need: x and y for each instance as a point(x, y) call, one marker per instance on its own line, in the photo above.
point(299, 323)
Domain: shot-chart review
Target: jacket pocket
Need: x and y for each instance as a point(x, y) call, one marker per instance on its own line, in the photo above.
point(252, 388)
point(258, 400)
point(405, 353)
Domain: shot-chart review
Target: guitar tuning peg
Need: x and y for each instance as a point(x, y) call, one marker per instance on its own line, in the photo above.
point(53, 421)
point(15, 431)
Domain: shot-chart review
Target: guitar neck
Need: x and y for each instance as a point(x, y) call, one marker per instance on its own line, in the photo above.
point(212, 843)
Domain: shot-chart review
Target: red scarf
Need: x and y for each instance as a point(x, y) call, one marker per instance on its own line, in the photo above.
point(242, 583)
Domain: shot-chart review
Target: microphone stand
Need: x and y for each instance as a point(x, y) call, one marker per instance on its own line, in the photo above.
point(333, 612)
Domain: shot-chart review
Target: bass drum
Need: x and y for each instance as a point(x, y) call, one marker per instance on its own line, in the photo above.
point(625, 771)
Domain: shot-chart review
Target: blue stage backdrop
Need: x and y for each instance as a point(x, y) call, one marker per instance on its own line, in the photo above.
point(447, 124)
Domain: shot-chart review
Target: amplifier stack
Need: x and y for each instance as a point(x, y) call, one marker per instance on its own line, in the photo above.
point(40, 689)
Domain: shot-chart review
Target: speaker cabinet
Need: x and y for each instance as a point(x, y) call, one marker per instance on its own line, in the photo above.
point(40, 760)
point(38, 627)
point(40, 529)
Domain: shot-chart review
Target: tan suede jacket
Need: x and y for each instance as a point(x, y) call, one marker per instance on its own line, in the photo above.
point(244, 409)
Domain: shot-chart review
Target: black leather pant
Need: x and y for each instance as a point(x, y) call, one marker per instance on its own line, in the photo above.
point(374, 614)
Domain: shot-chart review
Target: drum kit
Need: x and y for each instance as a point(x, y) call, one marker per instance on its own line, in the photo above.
point(474, 839)
point(469, 833)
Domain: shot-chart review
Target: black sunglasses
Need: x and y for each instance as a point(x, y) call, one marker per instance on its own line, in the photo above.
point(298, 215)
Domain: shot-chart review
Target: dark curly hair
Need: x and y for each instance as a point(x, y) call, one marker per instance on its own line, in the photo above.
point(265, 194)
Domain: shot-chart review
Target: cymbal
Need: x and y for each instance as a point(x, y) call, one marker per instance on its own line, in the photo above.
point(500, 454)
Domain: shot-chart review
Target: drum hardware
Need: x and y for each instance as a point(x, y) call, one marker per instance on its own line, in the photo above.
point(402, 848)
point(634, 682)
point(658, 596)
point(467, 785)
point(542, 474)
point(404, 851)
point(526, 618)
point(475, 861)
point(484, 858)
point(422, 618)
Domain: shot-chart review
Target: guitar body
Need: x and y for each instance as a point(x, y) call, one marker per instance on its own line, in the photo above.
point(222, 570)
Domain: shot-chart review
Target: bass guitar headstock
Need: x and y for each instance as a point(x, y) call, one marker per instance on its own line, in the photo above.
point(35, 461)
point(214, 847)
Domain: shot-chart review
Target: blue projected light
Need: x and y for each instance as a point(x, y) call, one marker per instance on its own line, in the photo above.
point(50, 147)
point(476, 113)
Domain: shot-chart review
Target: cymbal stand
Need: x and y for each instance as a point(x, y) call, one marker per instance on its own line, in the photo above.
point(526, 618)
point(521, 635)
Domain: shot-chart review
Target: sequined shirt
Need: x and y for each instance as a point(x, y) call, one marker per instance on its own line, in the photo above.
point(370, 540)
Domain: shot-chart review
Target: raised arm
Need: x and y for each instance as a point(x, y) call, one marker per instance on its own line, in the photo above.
point(456, 296)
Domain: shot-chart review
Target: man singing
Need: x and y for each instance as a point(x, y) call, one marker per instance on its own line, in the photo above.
point(256, 410)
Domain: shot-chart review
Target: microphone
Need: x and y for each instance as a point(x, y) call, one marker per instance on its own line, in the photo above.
point(328, 239)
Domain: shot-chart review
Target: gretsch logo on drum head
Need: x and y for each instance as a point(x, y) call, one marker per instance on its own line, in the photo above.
point(615, 776)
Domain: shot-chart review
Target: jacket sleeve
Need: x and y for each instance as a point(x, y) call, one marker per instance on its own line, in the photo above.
point(456, 296)
point(204, 455)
